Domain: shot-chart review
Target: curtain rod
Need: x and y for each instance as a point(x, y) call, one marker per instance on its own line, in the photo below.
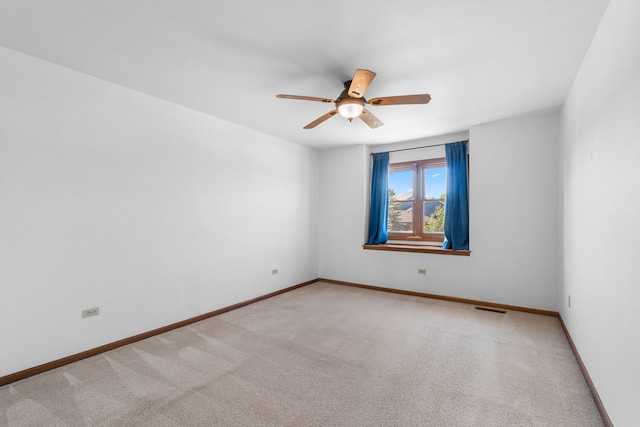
point(418, 148)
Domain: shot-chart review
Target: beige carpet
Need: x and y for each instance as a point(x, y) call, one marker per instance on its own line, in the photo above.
point(323, 355)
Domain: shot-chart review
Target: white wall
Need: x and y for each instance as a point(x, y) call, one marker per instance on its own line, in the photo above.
point(513, 228)
point(151, 211)
point(601, 186)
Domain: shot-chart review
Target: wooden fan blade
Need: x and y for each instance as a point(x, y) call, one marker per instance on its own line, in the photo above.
point(403, 99)
point(305, 98)
point(372, 121)
point(321, 119)
point(360, 82)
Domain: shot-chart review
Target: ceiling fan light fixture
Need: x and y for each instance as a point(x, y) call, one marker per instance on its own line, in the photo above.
point(350, 107)
point(350, 103)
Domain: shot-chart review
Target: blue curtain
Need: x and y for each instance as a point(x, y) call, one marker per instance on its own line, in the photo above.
point(379, 211)
point(456, 205)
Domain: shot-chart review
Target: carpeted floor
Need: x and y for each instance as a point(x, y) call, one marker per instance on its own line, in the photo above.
point(323, 355)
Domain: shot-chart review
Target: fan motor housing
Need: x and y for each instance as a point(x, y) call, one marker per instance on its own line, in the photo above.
point(344, 99)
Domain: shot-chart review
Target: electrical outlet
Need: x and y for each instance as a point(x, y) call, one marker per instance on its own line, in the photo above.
point(422, 271)
point(569, 300)
point(274, 271)
point(89, 312)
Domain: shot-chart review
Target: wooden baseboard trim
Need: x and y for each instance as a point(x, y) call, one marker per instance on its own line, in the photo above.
point(111, 346)
point(587, 377)
point(445, 298)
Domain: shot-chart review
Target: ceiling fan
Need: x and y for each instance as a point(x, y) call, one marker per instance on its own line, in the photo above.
point(351, 102)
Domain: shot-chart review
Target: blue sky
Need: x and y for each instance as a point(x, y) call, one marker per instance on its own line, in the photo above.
point(401, 182)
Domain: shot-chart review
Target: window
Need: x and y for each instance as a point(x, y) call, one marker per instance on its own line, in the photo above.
point(416, 200)
point(413, 218)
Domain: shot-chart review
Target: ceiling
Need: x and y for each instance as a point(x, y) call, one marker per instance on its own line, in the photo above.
point(479, 60)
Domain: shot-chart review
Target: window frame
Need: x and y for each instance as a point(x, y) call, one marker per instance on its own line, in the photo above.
point(417, 234)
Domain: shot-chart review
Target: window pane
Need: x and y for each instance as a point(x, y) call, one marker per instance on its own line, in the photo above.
point(401, 200)
point(433, 203)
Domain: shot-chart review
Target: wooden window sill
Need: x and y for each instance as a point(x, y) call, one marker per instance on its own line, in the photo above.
point(424, 249)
